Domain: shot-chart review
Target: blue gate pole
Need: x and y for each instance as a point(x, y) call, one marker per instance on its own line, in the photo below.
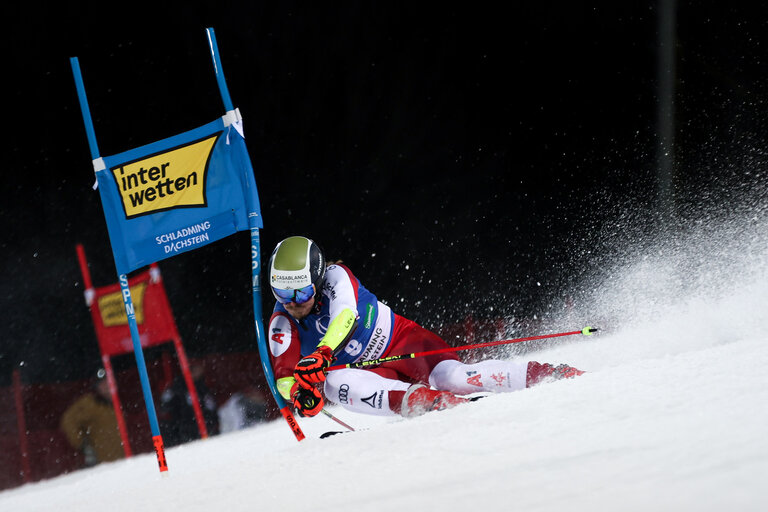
point(223, 90)
point(285, 409)
point(138, 352)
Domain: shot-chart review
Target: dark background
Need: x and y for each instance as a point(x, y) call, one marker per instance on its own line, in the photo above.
point(460, 158)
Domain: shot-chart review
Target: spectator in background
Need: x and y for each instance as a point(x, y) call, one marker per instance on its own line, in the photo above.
point(90, 424)
point(243, 409)
point(177, 417)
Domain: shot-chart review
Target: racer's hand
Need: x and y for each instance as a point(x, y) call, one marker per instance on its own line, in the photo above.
point(307, 401)
point(311, 369)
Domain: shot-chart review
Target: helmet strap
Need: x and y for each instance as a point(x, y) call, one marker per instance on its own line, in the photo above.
point(317, 305)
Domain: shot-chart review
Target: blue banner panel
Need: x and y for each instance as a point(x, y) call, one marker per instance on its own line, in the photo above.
point(178, 194)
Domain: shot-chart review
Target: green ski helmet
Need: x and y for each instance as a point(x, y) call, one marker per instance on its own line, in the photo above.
point(296, 270)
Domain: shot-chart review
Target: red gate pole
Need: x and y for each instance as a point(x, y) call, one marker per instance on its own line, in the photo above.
point(90, 294)
point(182, 356)
point(21, 423)
point(184, 364)
point(116, 405)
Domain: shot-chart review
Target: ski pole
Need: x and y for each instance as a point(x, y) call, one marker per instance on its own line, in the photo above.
point(587, 331)
point(337, 420)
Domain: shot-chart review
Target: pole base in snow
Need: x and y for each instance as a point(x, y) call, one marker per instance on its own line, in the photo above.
point(157, 441)
point(295, 428)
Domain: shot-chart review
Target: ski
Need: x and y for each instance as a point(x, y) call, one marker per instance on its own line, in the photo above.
point(330, 433)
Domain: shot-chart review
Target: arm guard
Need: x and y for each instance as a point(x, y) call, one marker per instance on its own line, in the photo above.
point(284, 386)
point(340, 330)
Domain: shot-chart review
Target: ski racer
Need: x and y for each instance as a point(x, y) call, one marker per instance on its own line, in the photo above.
point(324, 315)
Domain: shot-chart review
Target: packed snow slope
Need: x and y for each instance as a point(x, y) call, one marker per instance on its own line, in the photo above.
point(672, 415)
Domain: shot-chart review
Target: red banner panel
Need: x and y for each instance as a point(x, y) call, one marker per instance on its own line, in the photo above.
point(153, 314)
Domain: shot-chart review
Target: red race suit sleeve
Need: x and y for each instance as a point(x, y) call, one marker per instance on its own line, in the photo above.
point(284, 344)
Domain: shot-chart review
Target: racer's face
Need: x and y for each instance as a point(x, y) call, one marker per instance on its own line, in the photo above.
point(299, 311)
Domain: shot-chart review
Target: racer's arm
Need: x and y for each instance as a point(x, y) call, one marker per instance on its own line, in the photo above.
point(284, 351)
point(340, 290)
point(310, 370)
point(285, 359)
point(340, 330)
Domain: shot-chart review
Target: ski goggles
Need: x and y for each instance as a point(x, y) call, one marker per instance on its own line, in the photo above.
point(299, 296)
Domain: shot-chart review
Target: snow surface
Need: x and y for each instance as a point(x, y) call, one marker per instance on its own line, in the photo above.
point(672, 415)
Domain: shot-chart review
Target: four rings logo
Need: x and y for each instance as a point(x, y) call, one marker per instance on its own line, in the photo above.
point(344, 394)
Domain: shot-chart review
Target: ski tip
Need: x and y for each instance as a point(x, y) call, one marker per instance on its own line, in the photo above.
point(331, 433)
point(587, 331)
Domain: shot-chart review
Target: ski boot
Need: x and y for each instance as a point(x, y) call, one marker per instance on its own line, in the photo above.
point(419, 399)
point(538, 373)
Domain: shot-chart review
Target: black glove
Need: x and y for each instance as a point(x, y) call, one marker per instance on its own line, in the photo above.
point(307, 401)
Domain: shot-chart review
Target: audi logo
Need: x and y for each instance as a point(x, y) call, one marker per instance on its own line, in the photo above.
point(344, 393)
